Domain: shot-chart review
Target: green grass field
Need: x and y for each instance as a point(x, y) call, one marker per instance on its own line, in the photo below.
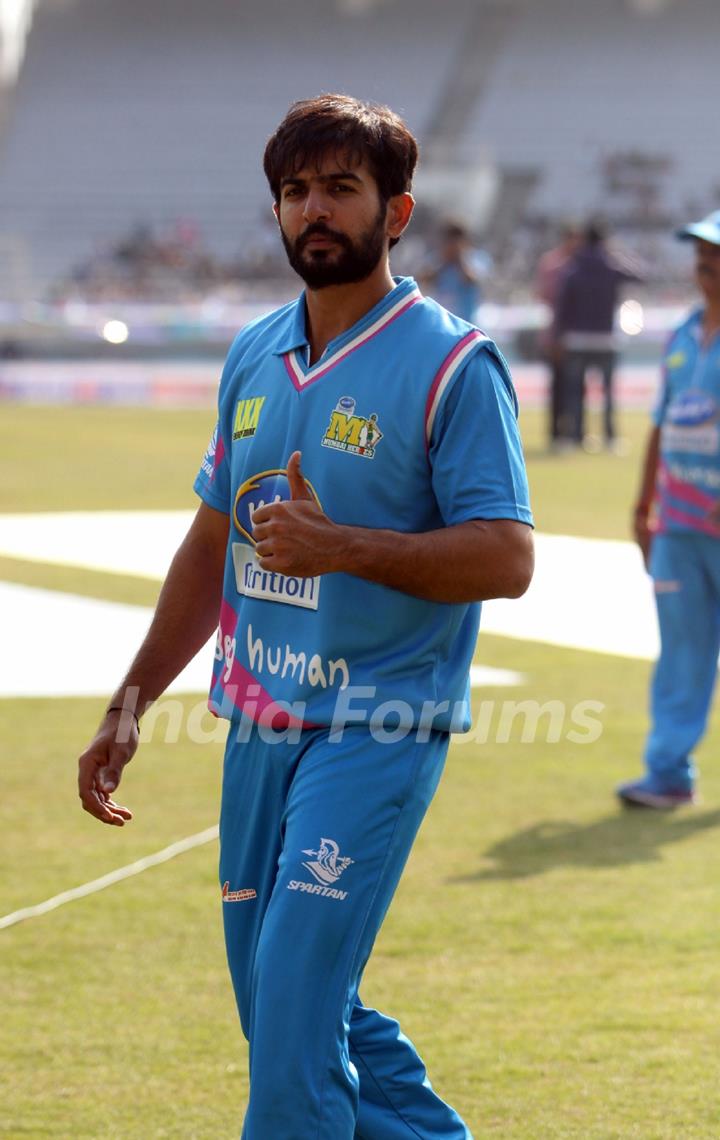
point(555, 960)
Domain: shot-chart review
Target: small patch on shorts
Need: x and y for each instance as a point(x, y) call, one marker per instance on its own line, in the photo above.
point(667, 586)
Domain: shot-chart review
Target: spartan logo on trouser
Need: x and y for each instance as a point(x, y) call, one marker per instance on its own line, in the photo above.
point(326, 868)
point(328, 864)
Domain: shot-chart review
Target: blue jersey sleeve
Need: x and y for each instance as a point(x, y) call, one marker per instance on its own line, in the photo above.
point(661, 402)
point(478, 468)
point(662, 397)
point(683, 343)
point(213, 479)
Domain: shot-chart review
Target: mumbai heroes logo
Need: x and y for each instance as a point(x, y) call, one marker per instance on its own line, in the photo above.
point(247, 415)
point(357, 435)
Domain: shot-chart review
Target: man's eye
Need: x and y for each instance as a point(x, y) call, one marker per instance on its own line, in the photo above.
point(342, 186)
point(291, 191)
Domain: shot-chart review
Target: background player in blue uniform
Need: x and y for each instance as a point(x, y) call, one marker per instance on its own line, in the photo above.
point(363, 492)
point(677, 523)
point(455, 276)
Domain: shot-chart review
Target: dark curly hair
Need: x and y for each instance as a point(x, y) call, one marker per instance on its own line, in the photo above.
point(348, 127)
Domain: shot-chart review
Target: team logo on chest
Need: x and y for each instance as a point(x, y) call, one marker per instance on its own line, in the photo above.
point(357, 435)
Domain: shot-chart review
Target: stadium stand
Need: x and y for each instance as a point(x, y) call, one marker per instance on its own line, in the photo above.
point(612, 80)
point(132, 115)
point(132, 112)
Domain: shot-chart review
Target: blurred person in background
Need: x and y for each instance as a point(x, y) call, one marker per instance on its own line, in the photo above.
point(550, 269)
point(455, 276)
point(406, 419)
point(677, 525)
point(583, 329)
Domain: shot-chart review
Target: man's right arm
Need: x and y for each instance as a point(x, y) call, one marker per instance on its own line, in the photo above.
point(185, 617)
point(646, 495)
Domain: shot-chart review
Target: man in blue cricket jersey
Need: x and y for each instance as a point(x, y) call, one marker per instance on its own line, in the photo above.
point(677, 524)
point(363, 492)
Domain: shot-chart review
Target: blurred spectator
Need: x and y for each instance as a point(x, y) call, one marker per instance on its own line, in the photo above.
point(549, 273)
point(583, 328)
point(677, 526)
point(144, 266)
point(455, 276)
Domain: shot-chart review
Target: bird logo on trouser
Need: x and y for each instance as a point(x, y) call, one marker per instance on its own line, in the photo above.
point(328, 864)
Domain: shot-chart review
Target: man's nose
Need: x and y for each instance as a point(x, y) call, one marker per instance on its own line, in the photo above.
point(317, 205)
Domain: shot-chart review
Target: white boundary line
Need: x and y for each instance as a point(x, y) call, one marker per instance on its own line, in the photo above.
point(127, 872)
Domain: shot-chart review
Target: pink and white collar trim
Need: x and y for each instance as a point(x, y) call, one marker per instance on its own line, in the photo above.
point(301, 379)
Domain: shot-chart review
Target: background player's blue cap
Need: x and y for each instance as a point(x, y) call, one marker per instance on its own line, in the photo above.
point(708, 229)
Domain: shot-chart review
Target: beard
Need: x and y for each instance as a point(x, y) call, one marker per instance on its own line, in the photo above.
point(353, 261)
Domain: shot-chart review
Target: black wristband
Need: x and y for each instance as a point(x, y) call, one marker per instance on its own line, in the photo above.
point(121, 709)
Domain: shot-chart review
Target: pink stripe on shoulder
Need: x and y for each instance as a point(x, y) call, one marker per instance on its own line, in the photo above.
point(219, 452)
point(445, 374)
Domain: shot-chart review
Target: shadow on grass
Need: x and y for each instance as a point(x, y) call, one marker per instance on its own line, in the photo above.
point(630, 837)
point(541, 452)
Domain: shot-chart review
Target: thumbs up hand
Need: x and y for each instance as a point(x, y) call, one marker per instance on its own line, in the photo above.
point(298, 487)
point(295, 536)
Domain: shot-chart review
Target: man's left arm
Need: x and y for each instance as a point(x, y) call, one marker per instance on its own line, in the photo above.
point(484, 551)
point(469, 562)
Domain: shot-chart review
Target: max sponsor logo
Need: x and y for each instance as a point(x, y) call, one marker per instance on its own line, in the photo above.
point(676, 359)
point(247, 416)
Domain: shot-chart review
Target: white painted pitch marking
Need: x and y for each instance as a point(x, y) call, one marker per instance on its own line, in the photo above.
point(63, 645)
point(487, 677)
point(587, 593)
point(113, 877)
point(136, 543)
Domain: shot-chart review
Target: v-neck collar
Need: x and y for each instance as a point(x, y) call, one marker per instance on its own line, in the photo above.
point(294, 348)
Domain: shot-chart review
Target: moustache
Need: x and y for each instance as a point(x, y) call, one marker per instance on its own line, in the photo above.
point(317, 229)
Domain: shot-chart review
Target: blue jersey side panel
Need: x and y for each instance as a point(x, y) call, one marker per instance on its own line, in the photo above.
point(688, 414)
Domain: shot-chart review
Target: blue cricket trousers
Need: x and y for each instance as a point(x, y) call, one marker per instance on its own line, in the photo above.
point(314, 836)
point(686, 572)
